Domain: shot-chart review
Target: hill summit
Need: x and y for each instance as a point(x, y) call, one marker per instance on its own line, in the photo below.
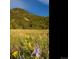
point(21, 19)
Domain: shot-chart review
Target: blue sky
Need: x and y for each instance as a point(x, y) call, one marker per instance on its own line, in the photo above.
point(38, 7)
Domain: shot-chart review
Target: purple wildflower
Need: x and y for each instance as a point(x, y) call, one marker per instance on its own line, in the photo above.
point(36, 51)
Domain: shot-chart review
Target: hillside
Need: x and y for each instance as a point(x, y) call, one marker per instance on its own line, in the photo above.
point(21, 19)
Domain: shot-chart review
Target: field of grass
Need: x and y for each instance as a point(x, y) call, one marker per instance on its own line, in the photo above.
point(22, 43)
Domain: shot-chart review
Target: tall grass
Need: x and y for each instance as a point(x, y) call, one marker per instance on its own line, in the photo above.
point(22, 43)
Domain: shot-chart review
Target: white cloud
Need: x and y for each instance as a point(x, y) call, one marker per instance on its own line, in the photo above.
point(44, 1)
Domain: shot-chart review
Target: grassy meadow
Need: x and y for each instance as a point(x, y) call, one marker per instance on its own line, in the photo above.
point(23, 41)
point(29, 35)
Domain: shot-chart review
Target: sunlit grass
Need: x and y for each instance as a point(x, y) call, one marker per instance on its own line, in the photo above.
point(24, 42)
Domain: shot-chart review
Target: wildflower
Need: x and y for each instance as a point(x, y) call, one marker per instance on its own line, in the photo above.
point(36, 52)
point(29, 45)
point(15, 53)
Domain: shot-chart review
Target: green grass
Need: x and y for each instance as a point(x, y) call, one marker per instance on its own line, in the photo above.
point(20, 39)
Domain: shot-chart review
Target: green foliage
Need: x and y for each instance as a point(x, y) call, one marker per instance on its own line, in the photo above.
point(21, 19)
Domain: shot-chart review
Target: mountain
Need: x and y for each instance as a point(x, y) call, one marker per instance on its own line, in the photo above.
point(21, 19)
